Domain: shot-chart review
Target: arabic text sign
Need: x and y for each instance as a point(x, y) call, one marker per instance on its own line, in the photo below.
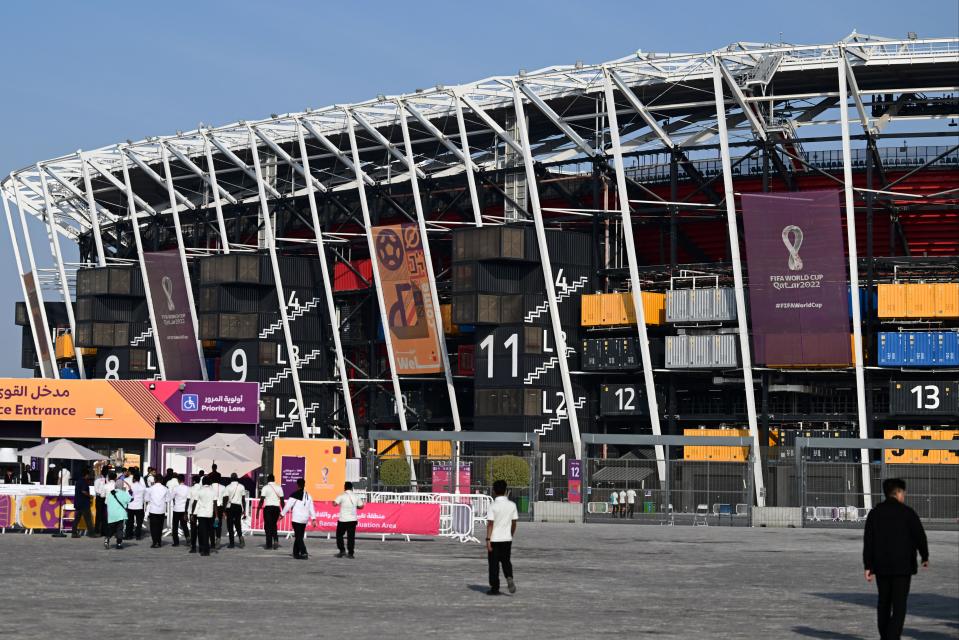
point(123, 408)
point(401, 265)
point(176, 336)
point(798, 291)
point(382, 518)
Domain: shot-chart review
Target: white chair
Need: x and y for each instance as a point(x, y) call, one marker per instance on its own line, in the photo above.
point(701, 517)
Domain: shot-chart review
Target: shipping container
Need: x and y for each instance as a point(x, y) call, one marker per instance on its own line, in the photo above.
point(113, 280)
point(614, 309)
point(356, 275)
point(490, 243)
point(622, 400)
point(446, 313)
point(918, 349)
point(493, 277)
point(702, 351)
point(466, 360)
point(947, 300)
point(892, 301)
point(236, 299)
point(920, 300)
point(923, 397)
point(715, 304)
point(714, 453)
point(617, 354)
point(112, 309)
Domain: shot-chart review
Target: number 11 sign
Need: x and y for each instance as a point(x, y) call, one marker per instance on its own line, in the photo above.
point(575, 480)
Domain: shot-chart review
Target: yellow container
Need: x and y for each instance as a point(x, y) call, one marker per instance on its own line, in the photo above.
point(928, 456)
point(64, 347)
point(618, 309)
point(898, 456)
point(948, 435)
point(947, 300)
point(920, 300)
point(449, 329)
point(385, 448)
point(591, 310)
point(716, 454)
point(892, 301)
point(654, 307)
point(439, 449)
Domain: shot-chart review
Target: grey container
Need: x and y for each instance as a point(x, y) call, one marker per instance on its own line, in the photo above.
point(701, 351)
point(715, 304)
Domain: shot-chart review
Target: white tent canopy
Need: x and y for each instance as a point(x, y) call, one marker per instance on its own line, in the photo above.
point(61, 450)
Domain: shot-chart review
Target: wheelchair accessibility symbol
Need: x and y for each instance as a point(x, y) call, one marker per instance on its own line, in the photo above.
point(190, 402)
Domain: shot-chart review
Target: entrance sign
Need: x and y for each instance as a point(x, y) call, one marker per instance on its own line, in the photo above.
point(798, 290)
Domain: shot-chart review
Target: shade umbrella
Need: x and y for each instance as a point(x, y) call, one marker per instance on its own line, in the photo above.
point(226, 460)
point(62, 449)
point(236, 442)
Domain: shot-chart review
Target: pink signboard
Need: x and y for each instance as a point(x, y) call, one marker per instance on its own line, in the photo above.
point(443, 478)
point(376, 518)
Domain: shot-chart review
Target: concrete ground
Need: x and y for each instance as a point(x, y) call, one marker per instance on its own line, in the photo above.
point(574, 581)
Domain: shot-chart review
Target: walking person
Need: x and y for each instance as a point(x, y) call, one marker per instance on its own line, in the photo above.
point(235, 508)
point(301, 505)
point(179, 496)
point(81, 504)
point(195, 489)
point(622, 503)
point(500, 529)
point(614, 502)
point(116, 501)
point(893, 536)
point(348, 502)
point(631, 501)
point(157, 498)
point(100, 495)
point(216, 528)
point(203, 508)
point(271, 501)
point(137, 489)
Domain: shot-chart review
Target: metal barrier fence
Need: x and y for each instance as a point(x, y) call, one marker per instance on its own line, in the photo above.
point(831, 494)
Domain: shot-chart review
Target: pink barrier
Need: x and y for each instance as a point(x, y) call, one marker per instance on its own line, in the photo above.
point(376, 518)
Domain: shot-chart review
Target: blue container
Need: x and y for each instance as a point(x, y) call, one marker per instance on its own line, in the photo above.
point(868, 303)
point(467, 328)
point(66, 373)
point(919, 349)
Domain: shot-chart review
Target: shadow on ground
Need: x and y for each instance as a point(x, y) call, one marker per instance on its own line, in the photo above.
point(927, 605)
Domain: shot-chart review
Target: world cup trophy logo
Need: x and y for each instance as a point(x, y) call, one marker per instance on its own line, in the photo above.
point(167, 285)
point(792, 238)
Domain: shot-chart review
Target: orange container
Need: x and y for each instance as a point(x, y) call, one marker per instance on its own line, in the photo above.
point(920, 300)
point(949, 435)
point(892, 301)
point(616, 309)
point(947, 300)
point(591, 310)
point(446, 312)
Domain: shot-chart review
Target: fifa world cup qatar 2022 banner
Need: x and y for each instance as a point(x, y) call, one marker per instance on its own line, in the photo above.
point(798, 290)
point(401, 264)
point(176, 336)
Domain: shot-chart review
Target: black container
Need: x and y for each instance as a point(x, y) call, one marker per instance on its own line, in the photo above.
point(239, 361)
point(493, 277)
point(229, 326)
point(924, 397)
point(56, 314)
point(491, 243)
point(112, 309)
point(618, 354)
point(236, 299)
point(622, 400)
point(113, 280)
point(103, 334)
point(28, 354)
point(124, 363)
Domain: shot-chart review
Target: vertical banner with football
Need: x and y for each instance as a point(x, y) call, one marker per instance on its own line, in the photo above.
point(176, 335)
point(406, 296)
point(798, 290)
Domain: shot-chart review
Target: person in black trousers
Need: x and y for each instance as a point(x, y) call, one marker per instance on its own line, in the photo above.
point(893, 536)
point(81, 504)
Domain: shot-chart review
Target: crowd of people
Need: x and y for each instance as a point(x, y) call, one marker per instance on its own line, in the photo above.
point(123, 498)
point(622, 503)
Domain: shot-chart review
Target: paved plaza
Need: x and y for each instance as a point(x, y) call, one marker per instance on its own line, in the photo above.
point(611, 581)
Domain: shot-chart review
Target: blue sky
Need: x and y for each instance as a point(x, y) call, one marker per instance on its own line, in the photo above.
point(80, 75)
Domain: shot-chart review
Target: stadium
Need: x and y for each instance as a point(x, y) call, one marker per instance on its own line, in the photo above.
point(508, 233)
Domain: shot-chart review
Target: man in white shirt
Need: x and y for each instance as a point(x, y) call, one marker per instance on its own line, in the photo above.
point(235, 508)
point(631, 501)
point(64, 479)
point(157, 497)
point(179, 496)
point(271, 501)
point(216, 530)
point(301, 504)
point(100, 495)
point(500, 529)
point(622, 503)
point(614, 502)
point(195, 489)
point(137, 489)
point(348, 502)
point(203, 508)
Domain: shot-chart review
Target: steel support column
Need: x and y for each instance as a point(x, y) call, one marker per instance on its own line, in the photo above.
point(378, 284)
point(141, 260)
point(633, 263)
point(328, 290)
point(741, 322)
point(181, 250)
point(277, 279)
point(434, 294)
point(61, 270)
point(854, 279)
point(548, 275)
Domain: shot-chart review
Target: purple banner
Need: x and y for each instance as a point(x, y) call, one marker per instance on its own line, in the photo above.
point(227, 402)
point(798, 290)
point(176, 339)
point(292, 468)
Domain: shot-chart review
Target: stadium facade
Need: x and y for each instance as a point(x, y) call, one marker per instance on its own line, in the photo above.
point(492, 226)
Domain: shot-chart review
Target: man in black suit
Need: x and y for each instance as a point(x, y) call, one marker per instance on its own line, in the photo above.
point(893, 536)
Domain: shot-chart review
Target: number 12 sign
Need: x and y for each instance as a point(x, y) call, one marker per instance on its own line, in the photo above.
point(575, 480)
